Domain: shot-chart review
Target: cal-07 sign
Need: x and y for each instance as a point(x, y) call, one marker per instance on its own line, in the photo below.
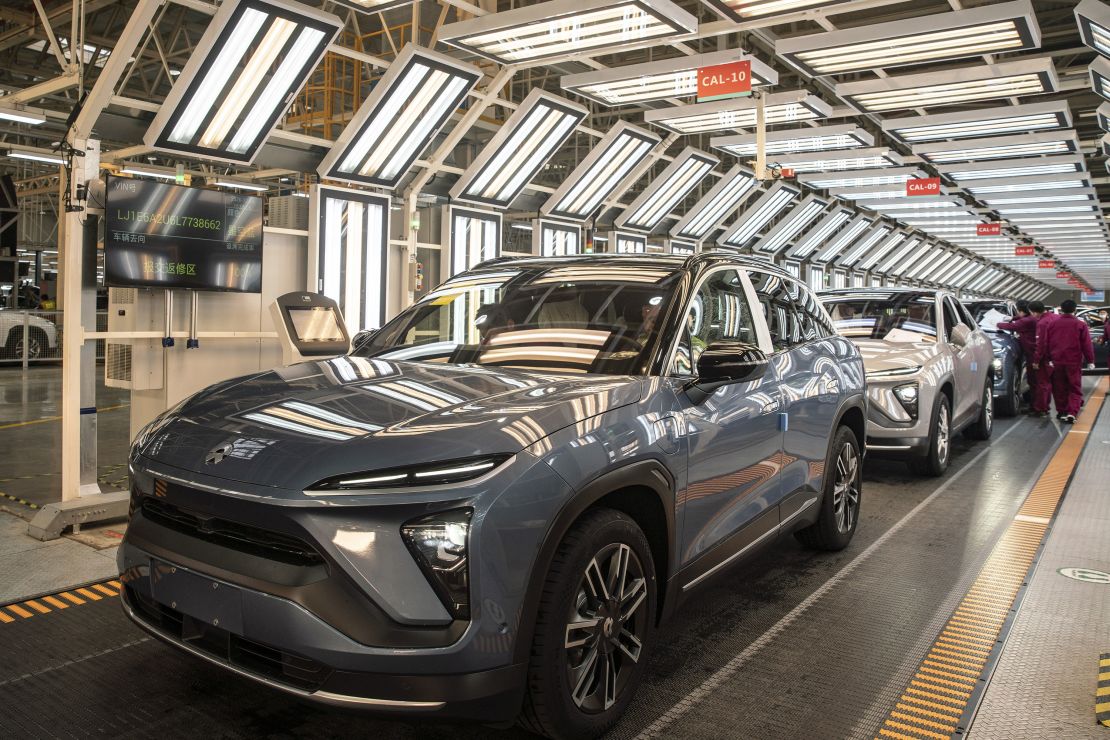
point(923, 186)
point(1024, 251)
point(721, 81)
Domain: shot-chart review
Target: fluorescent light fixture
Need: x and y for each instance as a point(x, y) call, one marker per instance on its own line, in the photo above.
point(1099, 71)
point(404, 112)
point(952, 86)
point(674, 246)
point(518, 151)
point(1093, 18)
point(860, 178)
point(792, 224)
point(721, 115)
point(992, 29)
point(627, 243)
point(778, 197)
point(1062, 195)
point(881, 248)
point(1012, 119)
point(930, 256)
point(848, 235)
point(742, 10)
point(254, 56)
point(1102, 113)
point(1027, 184)
point(665, 192)
point(473, 237)
point(240, 185)
point(167, 174)
point(999, 147)
point(603, 170)
point(787, 141)
point(878, 192)
point(904, 249)
point(568, 27)
point(659, 80)
point(820, 233)
point(555, 238)
point(1007, 168)
point(36, 155)
point(22, 115)
point(349, 252)
point(845, 159)
point(709, 212)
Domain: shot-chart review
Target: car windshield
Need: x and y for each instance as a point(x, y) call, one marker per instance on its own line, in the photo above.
point(981, 309)
point(895, 317)
point(573, 318)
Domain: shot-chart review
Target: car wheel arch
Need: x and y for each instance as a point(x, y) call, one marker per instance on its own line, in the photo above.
point(616, 489)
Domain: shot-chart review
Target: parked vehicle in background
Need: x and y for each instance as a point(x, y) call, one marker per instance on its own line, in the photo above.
point(41, 339)
point(486, 510)
point(929, 371)
point(1096, 322)
point(1009, 360)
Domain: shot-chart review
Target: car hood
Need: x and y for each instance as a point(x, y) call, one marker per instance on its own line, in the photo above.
point(879, 355)
point(296, 425)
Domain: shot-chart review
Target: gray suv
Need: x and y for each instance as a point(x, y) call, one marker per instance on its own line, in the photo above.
point(488, 507)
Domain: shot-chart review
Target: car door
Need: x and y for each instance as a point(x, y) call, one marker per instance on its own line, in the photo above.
point(734, 439)
point(965, 364)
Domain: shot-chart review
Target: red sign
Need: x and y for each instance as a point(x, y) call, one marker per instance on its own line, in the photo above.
point(923, 186)
point(1024, 251)
point(787, 173)
point(721, 81)
point(1046, 264)
point(1063, 275)
point(993, 229)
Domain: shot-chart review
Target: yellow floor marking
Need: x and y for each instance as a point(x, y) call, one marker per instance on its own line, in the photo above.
point(19, 611)
point(89, 594)
point(105, 590)
point(56, 603)
point(37, 607)
point(977, 620)
point(46, 419)
point(116, 584)
point(71, 597)
point(4, 618)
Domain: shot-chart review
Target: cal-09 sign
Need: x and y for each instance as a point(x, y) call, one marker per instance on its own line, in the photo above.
point(722, 81)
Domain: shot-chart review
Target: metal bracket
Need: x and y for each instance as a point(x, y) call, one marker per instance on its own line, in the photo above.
point(52, 519)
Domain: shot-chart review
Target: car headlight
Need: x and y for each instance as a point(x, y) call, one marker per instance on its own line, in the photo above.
point(907, 396)
point(439, 544)
point(894, 372)
point(996, 363)
point(431, 474)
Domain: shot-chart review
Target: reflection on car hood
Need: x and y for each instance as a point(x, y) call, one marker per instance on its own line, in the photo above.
point(880, 355)
point(295, 425)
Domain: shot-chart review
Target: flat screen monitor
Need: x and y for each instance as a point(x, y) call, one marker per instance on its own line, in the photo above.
point(316, 324)
point(158, 235)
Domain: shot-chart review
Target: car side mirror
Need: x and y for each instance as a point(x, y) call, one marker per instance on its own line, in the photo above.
point(363, 338)
point(960, 336)
point(722, 363)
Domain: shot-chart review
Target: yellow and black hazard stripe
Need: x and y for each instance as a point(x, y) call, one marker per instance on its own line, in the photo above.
point(1102, 693)
point(18, 500)
point(949, 680)
point(59, 601)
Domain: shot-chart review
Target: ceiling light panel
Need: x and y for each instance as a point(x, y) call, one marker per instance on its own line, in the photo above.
point(820, 233)
point(1093, 18)
point(880, 192)
point(23, 115)
point(846, 236)
point(896, 257)
point(658, 80)
point(607, 165)
point(722, 115)
point(742, 10)
point(1026, 185)
point(999, 147)
point(861, 178)
point(563, 27)
point(884, 248)
point(519, 149)
point(708, 213)
point(1102, 113)
point(777, 198)
point(1002, 27)
point(1062, 195)
point(667, 190)
point(1006, 168)
point(792, 224)
point(238, 82)
point(1099, 71)
point(845, 159)
point(952, 86)
point(788, 141)
point(1013, 119)
point(401, 116)
point(878, 233)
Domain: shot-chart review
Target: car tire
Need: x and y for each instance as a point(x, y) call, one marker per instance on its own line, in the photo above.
point(37, 343)
point(571, 667)
point(935, 461)
point(984, 422)
point(1009, 403)
point(840, 501)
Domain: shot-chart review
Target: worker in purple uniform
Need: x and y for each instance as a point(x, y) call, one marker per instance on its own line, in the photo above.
point(1024, 326)
point(1066, 343)
point(1042, 391)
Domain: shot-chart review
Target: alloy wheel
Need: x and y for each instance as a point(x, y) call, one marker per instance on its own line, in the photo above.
point(988, 408)
point(846, 489)
point(34, 348)
point(606, 627)
point(942, 434)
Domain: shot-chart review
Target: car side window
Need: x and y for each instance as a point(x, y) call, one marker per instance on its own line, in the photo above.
point(951, 318)
point(814, 322)
point(783, 319)
point(719, 312)
point(967, 317)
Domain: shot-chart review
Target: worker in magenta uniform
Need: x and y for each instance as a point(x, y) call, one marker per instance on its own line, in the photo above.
point(1066, 343)
point(1024, 326)
point(1106, 334)
point(1042, 391)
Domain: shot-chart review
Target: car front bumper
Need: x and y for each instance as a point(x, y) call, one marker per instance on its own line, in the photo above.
point(891, 430)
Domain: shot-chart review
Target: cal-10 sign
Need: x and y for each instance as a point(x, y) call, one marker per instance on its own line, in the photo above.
point(722, 81)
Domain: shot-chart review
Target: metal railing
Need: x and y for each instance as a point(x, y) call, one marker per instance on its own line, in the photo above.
point(30, 337)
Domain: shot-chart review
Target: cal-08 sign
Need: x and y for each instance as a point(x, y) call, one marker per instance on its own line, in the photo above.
point(722, 81)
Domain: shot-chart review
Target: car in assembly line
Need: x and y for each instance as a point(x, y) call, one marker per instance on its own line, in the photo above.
point(1096, 323)
point(486, 509)
point(1009, 361)
point(38, 339)
point(929, 371)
